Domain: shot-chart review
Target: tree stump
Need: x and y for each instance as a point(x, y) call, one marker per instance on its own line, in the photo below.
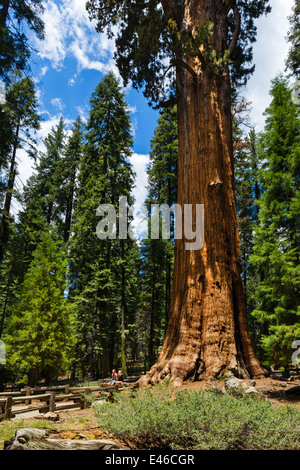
point(37, 439)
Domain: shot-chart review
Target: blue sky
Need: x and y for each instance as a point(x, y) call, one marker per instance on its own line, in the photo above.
point(73, 58)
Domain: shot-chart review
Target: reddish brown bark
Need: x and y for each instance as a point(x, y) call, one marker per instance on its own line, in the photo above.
point(207, 334)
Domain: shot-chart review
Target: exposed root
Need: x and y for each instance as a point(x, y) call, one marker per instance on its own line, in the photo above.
point(180, 371)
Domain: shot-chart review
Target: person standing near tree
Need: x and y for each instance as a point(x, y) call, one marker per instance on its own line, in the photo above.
point(114, 377)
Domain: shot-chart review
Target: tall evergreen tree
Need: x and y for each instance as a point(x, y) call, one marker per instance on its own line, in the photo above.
point(40, 195)
point(162, 169)
point(21, 108)
point(39, 333)
point(276, 244)
point(15, 17)
point(158, 255)
point(105, 175)
point(246, 166)
point(153, 297)
point(293, 59)
point(68, 168)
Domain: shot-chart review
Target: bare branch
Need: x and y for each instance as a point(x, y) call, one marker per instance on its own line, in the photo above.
point(184, 65)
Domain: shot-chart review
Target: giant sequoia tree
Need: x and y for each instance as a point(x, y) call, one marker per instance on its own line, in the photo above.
point(195, 51)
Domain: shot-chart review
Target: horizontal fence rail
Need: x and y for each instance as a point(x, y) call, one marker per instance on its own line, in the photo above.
point(54, 399)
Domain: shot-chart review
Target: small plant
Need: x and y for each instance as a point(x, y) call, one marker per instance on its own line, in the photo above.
point(164, 418)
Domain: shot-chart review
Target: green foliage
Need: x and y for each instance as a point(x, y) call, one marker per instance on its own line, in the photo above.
point(18, 110)
point(103, 272)
point(148, 39)
point(38, 335)
point(21, 119)
point(247, 183)
point(293, 59)
point(15, 18)
point(164, 418)
point(276, 244)
point(157, 256)
point(162, 169)
point(66, 181)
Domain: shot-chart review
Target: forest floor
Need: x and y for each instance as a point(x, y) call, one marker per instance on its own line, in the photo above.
point(80, 424)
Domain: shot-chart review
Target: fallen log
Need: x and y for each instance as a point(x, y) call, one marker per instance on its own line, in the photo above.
point(37, 439)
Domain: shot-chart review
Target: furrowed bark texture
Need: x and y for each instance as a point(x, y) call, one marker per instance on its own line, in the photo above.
point(207, 334)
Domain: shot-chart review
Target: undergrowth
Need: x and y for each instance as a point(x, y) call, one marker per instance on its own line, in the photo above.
point(162, 418)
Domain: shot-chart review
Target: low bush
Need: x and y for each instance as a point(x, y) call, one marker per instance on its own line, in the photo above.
point(162, 418)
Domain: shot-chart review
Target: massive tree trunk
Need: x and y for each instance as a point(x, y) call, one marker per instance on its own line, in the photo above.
point(207, 334)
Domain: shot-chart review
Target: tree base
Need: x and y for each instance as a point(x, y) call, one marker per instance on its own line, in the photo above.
point(178, 371)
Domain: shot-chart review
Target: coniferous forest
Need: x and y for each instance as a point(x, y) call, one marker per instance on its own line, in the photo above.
point(74, 305)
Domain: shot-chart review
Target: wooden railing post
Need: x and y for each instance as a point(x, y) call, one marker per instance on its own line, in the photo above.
point(87, 403)
point(7, 410)
point(28, 392)
point(52, 402)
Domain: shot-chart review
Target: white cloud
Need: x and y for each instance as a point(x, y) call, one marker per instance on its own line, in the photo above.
point(58, 104)
point(270, 52)
point(69, 32)
point(44, 71)
point(72, 81)
point(53, 47)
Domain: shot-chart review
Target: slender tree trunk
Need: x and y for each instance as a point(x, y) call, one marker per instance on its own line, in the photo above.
point(69, 209)
point(32, 377)
point(4, 13)
point(123, 312)
point(4, 226)
point(5, 307)
point(207, 334)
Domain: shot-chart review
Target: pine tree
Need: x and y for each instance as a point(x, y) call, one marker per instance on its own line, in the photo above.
point(153, 298)
point(158, 255)
point(293, 59)
point(105, 175)
point(21, 109)
point(68, 168)
point(49, 177)
point(40, 194)
point(38, 336)
point(162, 169)
point(15, 18)
point(276, 244)
point(246, 165)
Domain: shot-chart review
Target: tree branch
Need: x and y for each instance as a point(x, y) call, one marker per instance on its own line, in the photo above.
point(184, 65)
point(171, 7)
point(237, 31)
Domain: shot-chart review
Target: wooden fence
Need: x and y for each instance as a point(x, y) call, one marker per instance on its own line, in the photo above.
point(54, 399)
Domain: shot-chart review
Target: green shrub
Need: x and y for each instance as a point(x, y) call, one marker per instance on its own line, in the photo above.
point(163, 418)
